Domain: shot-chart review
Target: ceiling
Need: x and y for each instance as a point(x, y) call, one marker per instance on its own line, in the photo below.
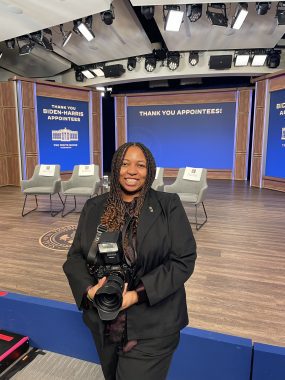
point(130, 35)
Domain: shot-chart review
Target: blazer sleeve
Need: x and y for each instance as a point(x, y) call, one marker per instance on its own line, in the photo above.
point(75, 267)
point(168, 277)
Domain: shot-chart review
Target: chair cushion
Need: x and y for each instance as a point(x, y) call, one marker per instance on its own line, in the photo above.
point(39, 190)
point(192, 198)
point(78, 191)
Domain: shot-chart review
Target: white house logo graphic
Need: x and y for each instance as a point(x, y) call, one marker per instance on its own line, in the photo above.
point(64, 135)
point(283, 134)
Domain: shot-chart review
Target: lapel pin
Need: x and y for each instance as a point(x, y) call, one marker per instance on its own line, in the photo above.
point(150, 209)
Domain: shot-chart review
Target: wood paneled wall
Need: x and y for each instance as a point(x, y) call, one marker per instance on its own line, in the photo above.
point(242, 97)
point(264, 87)
point(258, 130)
point(29, 90)
point(9, 148)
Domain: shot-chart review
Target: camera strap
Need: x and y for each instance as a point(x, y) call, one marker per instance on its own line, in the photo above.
point(93, 249)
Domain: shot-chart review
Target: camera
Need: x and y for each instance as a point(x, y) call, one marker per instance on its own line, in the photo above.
point(109, 262)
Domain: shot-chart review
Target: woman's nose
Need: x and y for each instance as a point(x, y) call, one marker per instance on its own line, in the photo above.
point(132, 169)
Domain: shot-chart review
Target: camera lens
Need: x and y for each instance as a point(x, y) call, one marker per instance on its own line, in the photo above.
point(108, 299)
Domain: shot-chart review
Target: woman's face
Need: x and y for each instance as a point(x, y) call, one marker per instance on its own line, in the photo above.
point(133, 173)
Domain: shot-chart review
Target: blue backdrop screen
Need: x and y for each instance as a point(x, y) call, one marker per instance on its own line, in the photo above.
point(197, 135)
point(275, 156)
point(63, 132)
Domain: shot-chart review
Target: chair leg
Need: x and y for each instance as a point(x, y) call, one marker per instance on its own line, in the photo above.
point(200, 225)
point(74, 208)
point(54, 212)
point(23, 213)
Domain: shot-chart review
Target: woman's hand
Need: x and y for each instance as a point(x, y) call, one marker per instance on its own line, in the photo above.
point(92, 291)
point(129, 298)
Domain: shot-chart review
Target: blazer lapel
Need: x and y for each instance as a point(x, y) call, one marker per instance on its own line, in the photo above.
point(150, 211)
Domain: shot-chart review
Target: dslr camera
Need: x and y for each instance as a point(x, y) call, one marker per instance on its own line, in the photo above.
point(109, 262)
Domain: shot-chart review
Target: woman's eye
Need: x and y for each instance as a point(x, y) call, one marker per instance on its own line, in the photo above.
point(124, 164)
point(141, 166)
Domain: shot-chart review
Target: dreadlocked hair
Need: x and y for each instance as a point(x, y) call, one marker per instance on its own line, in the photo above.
point(115, 209)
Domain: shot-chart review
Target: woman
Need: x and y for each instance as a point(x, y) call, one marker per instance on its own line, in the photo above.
point(158, 243)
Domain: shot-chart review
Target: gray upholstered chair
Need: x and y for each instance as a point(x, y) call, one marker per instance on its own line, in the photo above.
point(158, 183)
point(189, 191)
point(80, 185)
point(42, 184)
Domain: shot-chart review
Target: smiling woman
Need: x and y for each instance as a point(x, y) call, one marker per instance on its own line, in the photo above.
point(132, 293)
point(133, 173)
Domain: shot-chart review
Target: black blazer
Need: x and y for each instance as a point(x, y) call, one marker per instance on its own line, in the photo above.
point(166, 252)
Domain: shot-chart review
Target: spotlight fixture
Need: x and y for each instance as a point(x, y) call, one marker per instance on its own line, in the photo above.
point(113, 71)
point(173, 18)
point(1, 54)
point(43, 38)
point(216, 13)
point(173, 59)
point(258, 58)
point(241, 58)
point(150, 63)
point(240, 15)
point(87, 73)
point(84, 28)
point(194, 12)
point(10, 43)
point(262, 8)
point(148, 11)
point(280, 13)
point(79, 77)
point(273, 59)
point(98, 71)
point(26, 48)
point(193, 58)
point(65, 36)
point(108, 16)
point(132, 62)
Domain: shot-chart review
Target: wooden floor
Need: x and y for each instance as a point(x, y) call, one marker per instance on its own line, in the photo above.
point(238, 286)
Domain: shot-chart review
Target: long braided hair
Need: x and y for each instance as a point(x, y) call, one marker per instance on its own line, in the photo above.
point(115, 209)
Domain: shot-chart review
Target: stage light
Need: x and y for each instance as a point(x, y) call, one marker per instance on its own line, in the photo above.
point(79, 77)
point(87, 74)
point(194, 12)
point(84, 28)
point(65, 36)
point(98, 71)
point(150, 63)
point(108, 16)
point(172, 17)
point(240, 15)
point(262, 8)
point(280, 13)
point(148, 11)
point(193, 58)
point(10, 43)
point(241, 58)
point(273, 59)
point(26, 48)
point(259, 58)
point(217, 14)
point(100, 88)
point(173, 59)
point(132, 62)
point(40, 37)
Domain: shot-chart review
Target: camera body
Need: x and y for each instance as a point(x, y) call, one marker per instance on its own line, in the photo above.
point(110, 263)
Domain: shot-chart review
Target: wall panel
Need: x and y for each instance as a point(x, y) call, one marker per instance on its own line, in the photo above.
point(9, 151)
point(214, 96)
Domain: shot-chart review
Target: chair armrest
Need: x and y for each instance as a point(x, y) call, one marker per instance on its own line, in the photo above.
point(57, 186)
point(96, 187)
point(171, 188)
point(26, 183)
point(202, 194)
point(65, 185)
